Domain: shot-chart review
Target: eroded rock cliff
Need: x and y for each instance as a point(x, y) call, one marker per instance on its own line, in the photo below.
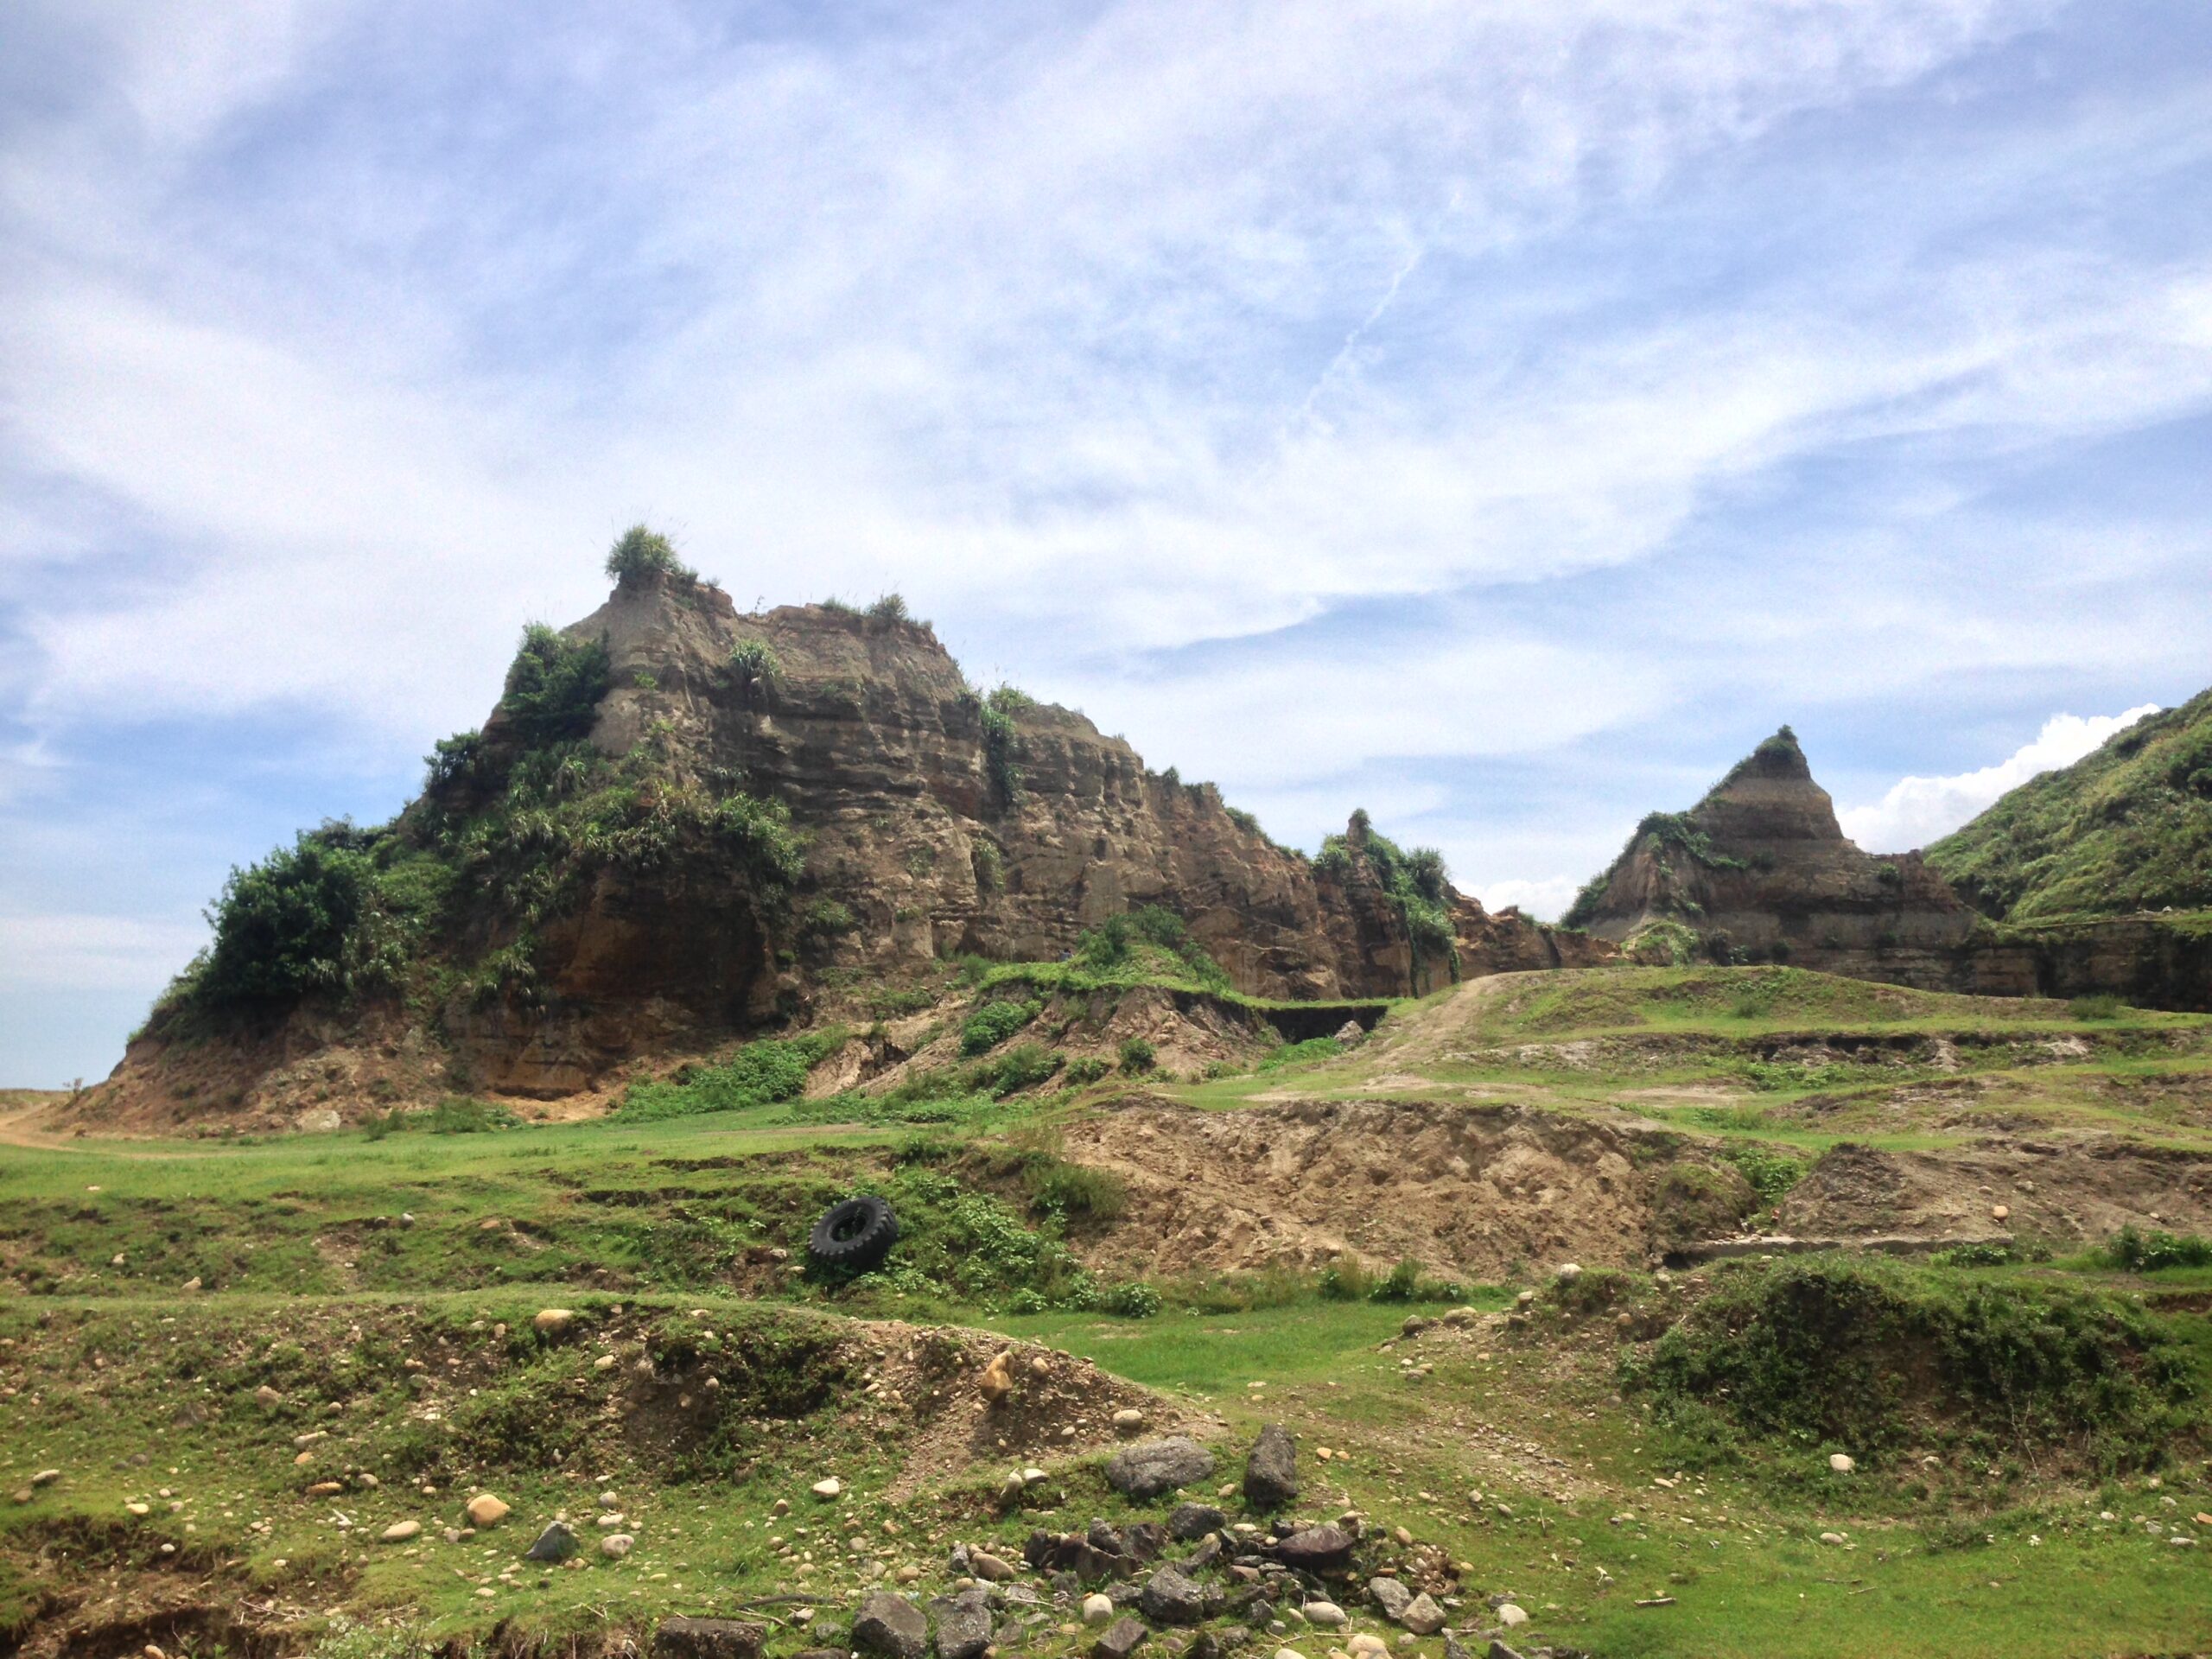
point(682, 823)
point(1761, 871)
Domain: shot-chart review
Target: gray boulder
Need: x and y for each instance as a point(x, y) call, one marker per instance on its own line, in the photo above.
point(1390, 1595)
point(1192, 1521)
point(1316, 1549)
point(963, 1623)
point(1271, 1472)
point(1169, 1598)
point(1422, 1615)
point(1119, 1640)
point(891, 1625)
point(555, 1543)
point(1152, 1469)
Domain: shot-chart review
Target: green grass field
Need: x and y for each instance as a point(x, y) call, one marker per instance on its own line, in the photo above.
point(384, 1288)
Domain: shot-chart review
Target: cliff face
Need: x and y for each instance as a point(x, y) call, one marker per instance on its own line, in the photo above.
point(1760, 870)
point(749, 810)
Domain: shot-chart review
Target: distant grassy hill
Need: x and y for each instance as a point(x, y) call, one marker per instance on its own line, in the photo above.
point(2128, 827)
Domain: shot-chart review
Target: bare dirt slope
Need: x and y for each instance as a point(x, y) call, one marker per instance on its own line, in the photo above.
point(1463, 1188)
point(2083, 1189)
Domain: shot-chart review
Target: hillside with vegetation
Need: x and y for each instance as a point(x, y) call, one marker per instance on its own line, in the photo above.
point(2125, 828)
point(780, 1154)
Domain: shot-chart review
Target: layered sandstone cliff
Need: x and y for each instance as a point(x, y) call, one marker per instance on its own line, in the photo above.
point(1761, 871)
point(625, 894)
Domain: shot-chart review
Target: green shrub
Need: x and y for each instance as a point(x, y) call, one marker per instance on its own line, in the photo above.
point(1347, 1279)
point(994, 1022)
point(1086, 1070)
point(639, 552)
point(753, 664)
point(458, 762)
point(889, 609)
point(1067, 1190)
point(2101, 1007)
point(1134, 1301)
point(999, 739)
point(282, 926)
point(2137, 1251)
point(762, 1073)
point(1771, 1174)
point(458, 1114)
point(1136, 1054)
point(554, 687)
point(1022, 1066)
point(827, 918)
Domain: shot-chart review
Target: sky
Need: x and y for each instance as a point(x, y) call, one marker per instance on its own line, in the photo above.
point(1497, 416)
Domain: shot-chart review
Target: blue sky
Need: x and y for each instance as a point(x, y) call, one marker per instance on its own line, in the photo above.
point(1498, 416)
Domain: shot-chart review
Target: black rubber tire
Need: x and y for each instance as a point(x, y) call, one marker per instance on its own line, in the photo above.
point(854, 1235)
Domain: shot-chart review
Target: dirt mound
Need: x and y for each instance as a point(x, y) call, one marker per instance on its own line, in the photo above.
point(2077, 1189)
point(1480, 1189)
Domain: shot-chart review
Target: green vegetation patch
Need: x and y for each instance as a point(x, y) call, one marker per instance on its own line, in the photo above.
point(1416, 880)
point(762, 1073)
point(2126, 827)
point(1874, 1358)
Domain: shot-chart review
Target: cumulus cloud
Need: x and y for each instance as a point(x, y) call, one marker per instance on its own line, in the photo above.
point(1917, 810)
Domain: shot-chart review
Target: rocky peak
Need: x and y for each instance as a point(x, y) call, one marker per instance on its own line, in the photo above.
point(1760, 870)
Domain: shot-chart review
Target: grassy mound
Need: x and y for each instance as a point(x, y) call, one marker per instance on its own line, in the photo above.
point(1874, 1358)
point(2126, 827)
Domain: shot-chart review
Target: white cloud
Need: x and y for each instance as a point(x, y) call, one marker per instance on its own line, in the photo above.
point(1544, 899)
point(69, 952)
point(1918, 810)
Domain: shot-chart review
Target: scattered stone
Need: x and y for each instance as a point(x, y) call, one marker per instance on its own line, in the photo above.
point(616, 1545)
point(1119, 1640)
point(826, 1490)
point(1832, 1538)
point(1040, 1367)
point(1999, 1212)
point(400, 1531)
point(706, 1639)
point(1390, 1595)
point(1368, 1643)
point(1510, 1615)
point(1422, 1615)
point(326, 1488)
point(45, 1478)
point(1207, 1553)
point(555, 1543)
point(1191, 1521)
point(1170, 1598)
point(1497, 1651)
point(1152, 1469)
point(486, 1510)
point(138, 1508)
point(553, 1321)
point(891, 1625)
point(964, 1625)
point(1271, 1471)
point(1128, 1421)
point(1098, 1609)
point(1567, 1272)
point(1327, 1614)
point(267, 1396)
point(1841, 1464)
